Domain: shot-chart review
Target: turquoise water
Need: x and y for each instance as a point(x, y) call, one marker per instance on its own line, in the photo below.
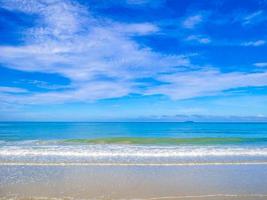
point(18, 131)
point(132, 142)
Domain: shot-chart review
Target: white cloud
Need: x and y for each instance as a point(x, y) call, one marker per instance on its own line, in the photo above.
point(254, 43)
point(192, 21)
point(198, 38)
point(139, 29)
point(59, 19)
point(204, 118)
point(98, 55)
point(12, 90)
point(249, 19)
point(102, 60)
point(142, 2)
point(262, 64)
point(205, 83)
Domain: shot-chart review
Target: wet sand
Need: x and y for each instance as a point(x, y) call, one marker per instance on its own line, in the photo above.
point(134, 182)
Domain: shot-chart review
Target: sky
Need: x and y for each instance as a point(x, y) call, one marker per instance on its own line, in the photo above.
point(133, 60)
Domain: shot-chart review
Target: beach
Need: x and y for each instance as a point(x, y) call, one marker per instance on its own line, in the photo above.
point(173, 161)
point(134, 182)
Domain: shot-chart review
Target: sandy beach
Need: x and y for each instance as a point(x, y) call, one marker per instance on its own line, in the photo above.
point(134, 182)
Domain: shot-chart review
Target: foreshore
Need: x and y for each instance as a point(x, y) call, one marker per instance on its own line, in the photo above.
point(133, 182)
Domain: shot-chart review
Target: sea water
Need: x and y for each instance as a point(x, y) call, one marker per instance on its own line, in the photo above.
point(132, 143)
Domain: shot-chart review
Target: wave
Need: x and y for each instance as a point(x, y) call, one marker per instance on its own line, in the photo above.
point(113, 150)
point(135, 150)
point(128, 164)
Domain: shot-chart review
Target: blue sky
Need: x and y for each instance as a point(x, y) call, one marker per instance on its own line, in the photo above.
point(133, 60)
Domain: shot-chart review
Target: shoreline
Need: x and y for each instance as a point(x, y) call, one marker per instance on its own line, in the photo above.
point(133, 164)
point(124, 182)
point(205, 196)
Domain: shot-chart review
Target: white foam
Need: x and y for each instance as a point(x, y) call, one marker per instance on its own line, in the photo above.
point(128, 164)
point(111, 151)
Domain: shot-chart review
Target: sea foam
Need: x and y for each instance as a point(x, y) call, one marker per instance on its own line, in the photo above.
point(106, 153)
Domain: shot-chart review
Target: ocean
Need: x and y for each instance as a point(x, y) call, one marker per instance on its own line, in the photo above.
point(132, 143)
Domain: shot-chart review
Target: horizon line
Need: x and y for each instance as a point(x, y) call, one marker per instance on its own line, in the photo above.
point(20, 121)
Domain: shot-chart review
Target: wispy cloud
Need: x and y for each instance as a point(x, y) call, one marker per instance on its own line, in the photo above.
point(261, 64)
point(12, 90)
point(135, 29)
point(253, 17)
point(202, 118)
point(102, 58)
point(254, 43)
point(143, 2)
point(205, 83)
point(98, 55)
point(192, 21)
point(198, 38)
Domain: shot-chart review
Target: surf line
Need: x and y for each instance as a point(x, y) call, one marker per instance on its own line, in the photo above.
point(129, 164)
point(210, 196)
point(151, 198)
